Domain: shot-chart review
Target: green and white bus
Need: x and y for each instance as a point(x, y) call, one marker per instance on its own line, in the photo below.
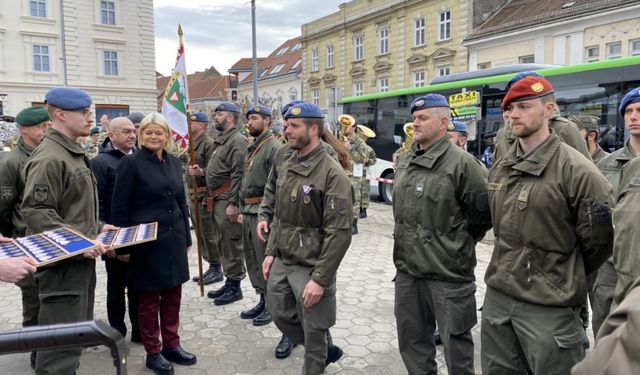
point(593, 88)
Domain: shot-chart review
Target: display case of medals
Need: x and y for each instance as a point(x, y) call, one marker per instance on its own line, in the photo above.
point(47, 247)
point(130, 235)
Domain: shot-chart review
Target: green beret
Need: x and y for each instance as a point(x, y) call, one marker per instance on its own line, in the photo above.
point(32, 116)
point(95, 130)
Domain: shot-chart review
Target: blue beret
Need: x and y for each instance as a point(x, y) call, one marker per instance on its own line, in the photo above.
point(228, 107)
point(32, 116)
point(304, 110)
point(428, 101)
point(258, 110)
point(284, 109)
point(632, 96)
point(458, 126)
point(520, 76)
point(199, 117)
point(68, 98)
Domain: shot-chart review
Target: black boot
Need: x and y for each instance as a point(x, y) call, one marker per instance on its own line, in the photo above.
point(262, 319)
point(179, 356)
point(159, 364)
point(334, 353)
point(437, 338)
point(254, 311)
point(219, 292)
point(231, 294)
point(363, 213)
point(215, 276)
point(32, 359)
point(354, 228)
point(284, 348)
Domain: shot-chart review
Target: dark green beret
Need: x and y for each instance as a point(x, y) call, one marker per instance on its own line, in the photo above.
point(95, 130)
point(32, 116)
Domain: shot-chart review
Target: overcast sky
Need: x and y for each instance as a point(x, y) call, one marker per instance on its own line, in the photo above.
point(218, 32)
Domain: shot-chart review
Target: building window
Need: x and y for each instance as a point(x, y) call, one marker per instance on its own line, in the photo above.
point(331, 97)
point(296, 47)
point(264, 72)
point(614, 50)
point(383, 40)
point(383, 84)
point(41, 58)
point(330, 56)
point(358, 88)
point(592, 53)
point(418, 79)
point(483, 66)
point(110, 63)
point(634, 47)
point(282, 51)
point(293, 94)
point(419, 32)
point(277, 68)
point(38, 8)
point(445, 26)
point(108, 12)
point(314, 59)
point(315, 97)
point(358, 47)
point(296, 65)
point(529, 59)
point(443, 70)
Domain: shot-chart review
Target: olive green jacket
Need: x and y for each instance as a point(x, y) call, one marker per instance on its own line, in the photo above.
point(599, 155)
point(566, 130)
point(11, 188)
point(440, 211)
point(626, 217)
point(256, 170)
point(60, 189)
point(226, 164)
point(202, 151)
point(312, 222)
point(612, 164)
point(552, 222)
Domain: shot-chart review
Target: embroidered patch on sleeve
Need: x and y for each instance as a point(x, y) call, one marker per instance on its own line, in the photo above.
point(6, 193)
point(40, 192)
point(602, 213)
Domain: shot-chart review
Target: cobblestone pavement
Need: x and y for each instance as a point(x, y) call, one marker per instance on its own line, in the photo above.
point(226, 344)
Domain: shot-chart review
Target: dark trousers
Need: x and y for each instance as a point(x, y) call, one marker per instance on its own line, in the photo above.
point(117, 271)
point(163, 304)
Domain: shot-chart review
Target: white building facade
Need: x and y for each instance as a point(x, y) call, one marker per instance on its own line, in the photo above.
point(105, 47)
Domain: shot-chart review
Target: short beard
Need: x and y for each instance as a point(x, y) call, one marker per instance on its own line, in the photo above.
point(255, 132)
point(220, 126)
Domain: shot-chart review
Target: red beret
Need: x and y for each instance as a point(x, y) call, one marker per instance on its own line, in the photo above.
point(526, 89)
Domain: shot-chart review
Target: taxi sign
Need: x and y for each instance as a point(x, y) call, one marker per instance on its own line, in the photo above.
point(464, 99)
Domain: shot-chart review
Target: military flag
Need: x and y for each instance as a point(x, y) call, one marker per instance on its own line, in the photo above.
point(175, 104)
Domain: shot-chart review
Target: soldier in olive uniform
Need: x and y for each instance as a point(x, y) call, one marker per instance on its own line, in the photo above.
point(551, 216)
point(611, 165)
point(566, 130)
point(202, 149)
point(33, 124)
point(60, 190)
point(588, 127)
point(365, 184)
point(91, 143)
point(224, 179)
point(440, 212)
point(358, 152)
point(310, 236)
point(258, 160)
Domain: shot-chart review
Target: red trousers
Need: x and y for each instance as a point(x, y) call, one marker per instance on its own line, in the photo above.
point(165, 305)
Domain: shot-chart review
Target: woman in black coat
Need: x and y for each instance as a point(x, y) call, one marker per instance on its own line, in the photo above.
point(149, 188)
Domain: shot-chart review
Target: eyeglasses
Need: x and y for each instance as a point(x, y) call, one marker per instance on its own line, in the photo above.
point(86, 112)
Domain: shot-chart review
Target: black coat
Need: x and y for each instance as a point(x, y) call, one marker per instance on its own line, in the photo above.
point(104, 167)
point(147, 190)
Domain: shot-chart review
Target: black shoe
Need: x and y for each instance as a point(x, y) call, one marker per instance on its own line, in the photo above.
point(334, 353)
point(219, 292)
point(354, 228)
point(363, 213)
point(437, 338)
point(32, 359)
point(179, 356)
point(284, 348)
point(254, 311)
point(231, 294)
point(213, 277)
point(213, 269)
point(262, 319)
point(159, 364)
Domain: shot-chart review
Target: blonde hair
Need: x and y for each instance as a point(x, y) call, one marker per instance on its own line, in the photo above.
point(156, 119)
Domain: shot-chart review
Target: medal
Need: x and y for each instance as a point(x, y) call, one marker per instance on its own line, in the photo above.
point(306, 199)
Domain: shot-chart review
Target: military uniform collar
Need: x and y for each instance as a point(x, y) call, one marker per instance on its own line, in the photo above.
point(627, 154)
point(262, 137)
point(223, 137)
point(24, 148)
point(430, 156)
point(307, 164)
point(535, 162)
point(70, 144)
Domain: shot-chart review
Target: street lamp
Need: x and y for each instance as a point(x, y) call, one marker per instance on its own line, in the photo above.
point(2, 96)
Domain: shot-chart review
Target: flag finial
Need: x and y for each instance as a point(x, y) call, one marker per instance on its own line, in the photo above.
point(179, 30)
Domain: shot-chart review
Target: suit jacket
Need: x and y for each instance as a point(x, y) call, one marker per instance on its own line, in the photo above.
point(148, 190)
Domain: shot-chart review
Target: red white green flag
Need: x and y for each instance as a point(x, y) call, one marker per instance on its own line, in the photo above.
point(175, 104)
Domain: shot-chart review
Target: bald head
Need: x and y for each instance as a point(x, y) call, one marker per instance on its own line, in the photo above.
point(122, 134)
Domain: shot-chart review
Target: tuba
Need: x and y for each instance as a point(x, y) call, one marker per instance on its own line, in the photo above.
point(408, 131)
point(365, 132)
point(345, 121)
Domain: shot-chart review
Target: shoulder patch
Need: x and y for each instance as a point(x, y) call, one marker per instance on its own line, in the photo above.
point(602, 213)
point(635, 181)
point(40, 192)
point(6, 193)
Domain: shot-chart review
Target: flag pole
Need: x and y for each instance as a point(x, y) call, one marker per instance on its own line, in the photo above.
point(195, 202)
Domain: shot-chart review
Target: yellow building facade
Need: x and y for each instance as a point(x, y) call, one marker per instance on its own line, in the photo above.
point(371, 46)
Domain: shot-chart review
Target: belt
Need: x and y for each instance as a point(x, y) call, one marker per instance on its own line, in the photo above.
point(254, 200)
point(213, 193)
point(202, 189)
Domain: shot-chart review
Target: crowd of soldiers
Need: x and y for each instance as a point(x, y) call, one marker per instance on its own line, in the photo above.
point(285, 214)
